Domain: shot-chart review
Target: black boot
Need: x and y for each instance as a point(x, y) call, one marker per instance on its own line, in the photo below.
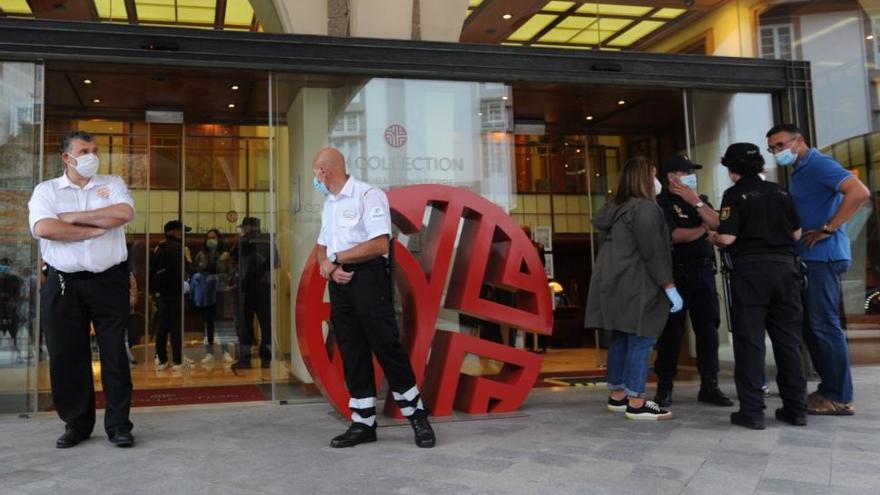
point(711, 394)
point(663, 398)
point(424, 434)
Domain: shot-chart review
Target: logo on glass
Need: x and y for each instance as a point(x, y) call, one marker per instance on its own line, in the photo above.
point(395, 135)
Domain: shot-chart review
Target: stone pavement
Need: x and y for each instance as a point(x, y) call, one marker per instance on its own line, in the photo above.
point(565, 442)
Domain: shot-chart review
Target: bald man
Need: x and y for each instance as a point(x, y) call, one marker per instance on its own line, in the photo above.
point(352, 252)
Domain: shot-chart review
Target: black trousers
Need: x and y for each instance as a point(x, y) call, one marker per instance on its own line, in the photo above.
point(256, 301)
point(68, 305)
point(767, 294)
point(696, 284)
point(169, 324)
point(363, 321)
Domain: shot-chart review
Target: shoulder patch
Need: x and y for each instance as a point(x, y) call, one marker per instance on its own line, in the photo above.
point(725, 213)
point(377, 213)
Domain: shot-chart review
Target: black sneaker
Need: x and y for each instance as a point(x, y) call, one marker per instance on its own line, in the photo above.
point(740, 419)
point(790, 417)
point(617, 405)
point(649, 411)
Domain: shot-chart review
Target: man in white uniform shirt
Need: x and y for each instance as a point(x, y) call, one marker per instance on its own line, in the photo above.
point(352, 252)
point(79, 219)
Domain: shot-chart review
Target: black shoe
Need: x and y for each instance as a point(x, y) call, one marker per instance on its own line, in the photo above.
point(663, 397)
point(356, 434)
point(70, 438)
point(424, 434)
point(714, 395)
point(122, 438)
point(790, 417)
point(242, 365)
point(740, 419)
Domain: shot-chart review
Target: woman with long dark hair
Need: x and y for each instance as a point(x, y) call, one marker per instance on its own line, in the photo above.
point(632, 290)
point(211, 268)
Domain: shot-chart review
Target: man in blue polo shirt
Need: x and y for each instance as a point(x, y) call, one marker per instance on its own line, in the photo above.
point(826, 196)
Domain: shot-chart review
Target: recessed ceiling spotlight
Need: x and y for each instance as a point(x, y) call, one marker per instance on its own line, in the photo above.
point(869, 37)
point(235, 87)
point(87, 81)
point(621, 102)
point(480, 114)
point(504, 98)
point(231, 105)
point(589, 117)
point(96, 100)
point(506, 16)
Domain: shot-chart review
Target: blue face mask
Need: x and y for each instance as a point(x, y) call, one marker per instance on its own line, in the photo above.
point(321, 187)
point(785, 158)
point(689, 180)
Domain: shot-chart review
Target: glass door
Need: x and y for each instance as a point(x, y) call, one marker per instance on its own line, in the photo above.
point(21, 134)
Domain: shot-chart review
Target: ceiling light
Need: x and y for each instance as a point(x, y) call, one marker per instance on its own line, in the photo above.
point(87, 81)
point(621, 102)
point(578, 150)
point(480, 114)
point(96, 100)
point(589, 117)
point(506, 16)
point(869, 37)
point(235, 87)
point(231, 105)
point(504, 98)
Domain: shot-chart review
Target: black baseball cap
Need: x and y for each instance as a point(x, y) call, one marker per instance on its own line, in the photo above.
point(250, 222)
point(679, 163)
point(741, 154)
point(174, 225)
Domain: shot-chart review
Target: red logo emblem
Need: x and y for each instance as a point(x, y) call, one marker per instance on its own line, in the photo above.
point(492, 251)
point(395, 135)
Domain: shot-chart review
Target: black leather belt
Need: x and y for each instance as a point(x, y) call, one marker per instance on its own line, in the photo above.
point(88, 275)
point(379, 260)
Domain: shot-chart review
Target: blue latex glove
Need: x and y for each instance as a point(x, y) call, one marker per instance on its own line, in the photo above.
point(675, 299)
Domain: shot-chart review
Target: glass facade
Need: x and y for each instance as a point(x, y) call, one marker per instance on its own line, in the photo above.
point(220, 147)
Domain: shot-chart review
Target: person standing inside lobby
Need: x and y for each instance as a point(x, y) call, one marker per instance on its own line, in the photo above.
point(352, 253)
point(690, 221)
point(826, 196)
point(79, 219)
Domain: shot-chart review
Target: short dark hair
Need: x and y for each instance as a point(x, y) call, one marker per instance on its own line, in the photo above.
point(789, 128)
point(70, 136)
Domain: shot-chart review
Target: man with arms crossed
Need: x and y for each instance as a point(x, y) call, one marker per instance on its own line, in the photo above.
point(79, 219)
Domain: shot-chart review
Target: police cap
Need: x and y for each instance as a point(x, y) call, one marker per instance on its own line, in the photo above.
point(743, 159)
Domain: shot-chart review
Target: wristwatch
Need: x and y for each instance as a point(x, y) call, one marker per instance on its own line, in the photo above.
point(699, 205)
point(828, 230)
point(332, 258)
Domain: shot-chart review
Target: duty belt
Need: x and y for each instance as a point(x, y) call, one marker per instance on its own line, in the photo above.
point(764, 258)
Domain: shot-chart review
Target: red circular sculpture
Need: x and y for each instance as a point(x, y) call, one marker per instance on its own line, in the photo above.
point(492, 250)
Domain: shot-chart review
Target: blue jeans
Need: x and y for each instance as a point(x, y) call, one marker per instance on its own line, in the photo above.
point(823, 333)
point(628, 358)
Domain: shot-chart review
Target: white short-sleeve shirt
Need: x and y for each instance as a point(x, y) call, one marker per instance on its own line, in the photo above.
point(56, 196)
point(357, 214)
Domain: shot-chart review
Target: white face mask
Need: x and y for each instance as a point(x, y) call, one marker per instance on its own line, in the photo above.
point(87, 165)
point(689, 180)
point(658, 187)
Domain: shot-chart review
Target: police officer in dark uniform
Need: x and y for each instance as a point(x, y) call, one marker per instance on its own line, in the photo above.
point(760, 225)
point(690, 221)
point(352, 251)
